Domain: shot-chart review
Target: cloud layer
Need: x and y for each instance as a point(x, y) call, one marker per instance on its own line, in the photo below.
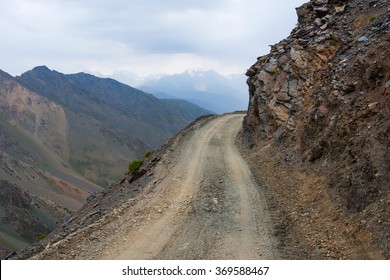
point(144, 37)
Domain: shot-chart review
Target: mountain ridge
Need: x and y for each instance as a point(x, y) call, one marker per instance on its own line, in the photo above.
point(64, 137)
point(135, 121)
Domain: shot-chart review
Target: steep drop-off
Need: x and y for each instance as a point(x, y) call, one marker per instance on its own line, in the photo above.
point(319, 118)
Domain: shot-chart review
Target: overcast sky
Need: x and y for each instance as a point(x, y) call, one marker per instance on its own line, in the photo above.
point(141, 36)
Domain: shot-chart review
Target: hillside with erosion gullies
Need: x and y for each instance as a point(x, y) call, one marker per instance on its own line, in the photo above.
point(64, 137)
point(318, 127)
point(109, 123)
point(37, 189)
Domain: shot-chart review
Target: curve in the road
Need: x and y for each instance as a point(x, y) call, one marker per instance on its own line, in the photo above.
point(232, 225)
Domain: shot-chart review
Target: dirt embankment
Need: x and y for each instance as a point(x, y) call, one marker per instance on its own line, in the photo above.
point(308, 222)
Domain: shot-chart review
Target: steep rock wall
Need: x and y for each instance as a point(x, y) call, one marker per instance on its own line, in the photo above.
point(321, 97)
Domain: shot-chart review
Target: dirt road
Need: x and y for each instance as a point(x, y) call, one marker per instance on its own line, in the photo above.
point(201, 202)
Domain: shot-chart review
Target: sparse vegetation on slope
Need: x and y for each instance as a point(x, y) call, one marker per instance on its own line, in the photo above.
point(135, 165)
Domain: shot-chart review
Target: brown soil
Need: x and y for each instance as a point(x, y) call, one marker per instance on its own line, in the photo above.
point(309, 223)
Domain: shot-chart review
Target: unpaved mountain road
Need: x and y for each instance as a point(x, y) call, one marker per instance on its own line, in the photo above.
point(200, 202)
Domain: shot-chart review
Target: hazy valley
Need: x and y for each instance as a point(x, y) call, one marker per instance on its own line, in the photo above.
point(204, 88)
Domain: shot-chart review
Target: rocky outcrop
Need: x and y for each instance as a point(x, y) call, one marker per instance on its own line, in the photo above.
point(322, 98)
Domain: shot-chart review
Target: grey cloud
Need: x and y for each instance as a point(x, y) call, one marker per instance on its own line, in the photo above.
point(115, 34)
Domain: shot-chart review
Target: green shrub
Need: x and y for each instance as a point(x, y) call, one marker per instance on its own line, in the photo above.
point(148, 154)
point(40, 237)
point(332, 42)
point(135, 165)
point(373, 18)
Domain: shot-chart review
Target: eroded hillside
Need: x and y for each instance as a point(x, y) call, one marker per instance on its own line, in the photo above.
point(109, 123)
point(37, 190)
point(72, 137)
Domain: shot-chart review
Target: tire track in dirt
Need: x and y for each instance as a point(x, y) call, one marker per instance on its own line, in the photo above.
point(211, 205)
point(182, 186)
point(254, 240)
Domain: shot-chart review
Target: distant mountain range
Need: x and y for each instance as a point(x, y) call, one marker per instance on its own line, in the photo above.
point(65, 136)
point(207, 89)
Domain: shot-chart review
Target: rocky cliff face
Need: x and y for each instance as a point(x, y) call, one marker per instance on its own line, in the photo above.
point(321, 98)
